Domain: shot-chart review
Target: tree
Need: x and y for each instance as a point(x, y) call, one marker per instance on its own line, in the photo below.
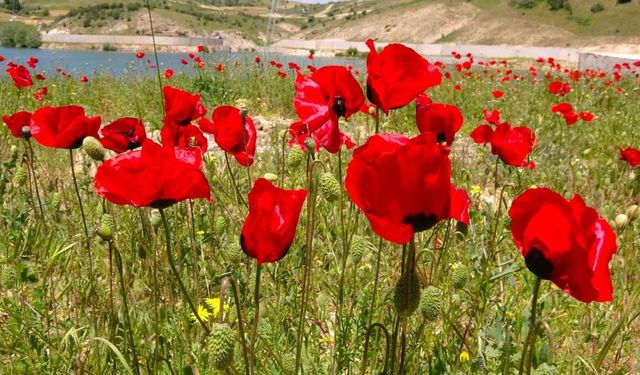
point(13, 5)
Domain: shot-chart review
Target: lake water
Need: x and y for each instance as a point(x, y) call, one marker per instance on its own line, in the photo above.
point(125, 63)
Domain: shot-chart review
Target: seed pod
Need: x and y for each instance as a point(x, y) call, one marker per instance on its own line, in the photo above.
point(431, 303)
point(235, 253)
point(295, 157)
point(310, 144)
point(289, 363)
point(56, 201)
point(220, 225)
point(632, 212)
point(621, 221)
point(19, 176)
point(155, 218)
point(93, 148)
point(329, 187)
point(270, 177)
point(360, 245)
point(220, 344)
point(407, 294)
point(459, 276)
point(106, 228)
point(25, 132)
point(9, 277)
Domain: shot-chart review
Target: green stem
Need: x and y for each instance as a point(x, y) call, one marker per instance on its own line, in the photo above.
point(340, 331)
point(126, 306)
point(233, 180)
point(243, 341)
point(529, 343)
point(256, 316)
point(176, 274)
point(363, 368)
point(84, 219)
point(31, 161)
point(377, 120)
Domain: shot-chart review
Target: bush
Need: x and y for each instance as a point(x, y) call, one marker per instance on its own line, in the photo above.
point(623, 1)
point(352, 52)
point(109, 47)
point(558, 4)
point(597, 7)
point(19, 35)
point(526, 4)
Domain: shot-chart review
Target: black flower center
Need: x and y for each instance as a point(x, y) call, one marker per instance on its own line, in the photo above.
point(339, 106)
point(441, 138)
point(162, 203)
point(420, 222)
point(538, 264)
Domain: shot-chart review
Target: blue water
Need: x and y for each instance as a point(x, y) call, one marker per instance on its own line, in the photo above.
point(125, 63)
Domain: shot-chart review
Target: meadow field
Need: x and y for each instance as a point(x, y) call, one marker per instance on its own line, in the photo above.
point(398, 252)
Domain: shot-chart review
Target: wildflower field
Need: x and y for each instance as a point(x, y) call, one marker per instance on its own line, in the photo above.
point(398, 216)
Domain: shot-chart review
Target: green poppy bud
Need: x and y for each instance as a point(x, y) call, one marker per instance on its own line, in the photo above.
point(459, 276)
point(271, 177)
point(359, 246)
point(431, 303)
point(329, 187)
point(406, 297)
point(106, 228)
point(295, 157)
point(632, 212)
point(19, 176)
point(93, 148)
point(220, 345)
point(621, 221)
point(9, 277)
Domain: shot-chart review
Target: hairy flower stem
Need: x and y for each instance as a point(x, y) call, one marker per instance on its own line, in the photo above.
point(125, 302)
point(340, 331)
point(233, 181)
point(176, 274)
point(31, 161)
point(366, 347)
point(308, 259)
point(377, 120)
point(409, 272)
point(256, 317)
point(84, 219)
point(243, 342)
point(529, 344)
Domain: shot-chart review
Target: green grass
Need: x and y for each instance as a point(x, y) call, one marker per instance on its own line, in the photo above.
point(52, 323)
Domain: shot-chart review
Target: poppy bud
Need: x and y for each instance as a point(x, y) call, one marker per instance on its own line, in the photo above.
point(20, 176)
point(242, 104)
point(155, 218)
point(14, 152)
point(9, 277)
point(220, 225)
point(106, 228)
point(271, 177)
point(431, 303)
point(25, 132)
point(93, 148)
point(459, 276)
point(621, 221)
point(220, 344)
point(235, 253)
point(310, 144)
point(289, 363)
point(295, 157)
point(633, 212)
point(407, 293)
point(56, 201)
point(359, 246)
point(329, 187)
point(632, 176)
point(372, 110)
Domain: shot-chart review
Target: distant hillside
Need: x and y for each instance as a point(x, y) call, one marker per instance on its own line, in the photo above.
point(602, 24)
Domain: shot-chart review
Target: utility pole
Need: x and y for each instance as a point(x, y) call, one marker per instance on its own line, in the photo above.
point(271, 21)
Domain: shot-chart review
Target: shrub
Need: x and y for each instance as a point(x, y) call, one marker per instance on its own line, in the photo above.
point(526, 4)
point(352, 52)
point(558, 4)
point(19, 35)
point(597, 7)
point(109, 47)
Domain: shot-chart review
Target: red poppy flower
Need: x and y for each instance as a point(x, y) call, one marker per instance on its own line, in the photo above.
point(299, 132)
point(187, 137)
point(184, 62)
point(181, 107)
point(322, 98)
point(282, 74)
point(270, 226)
point(32, 62)
point(559, 88)
point(40, 77)
point(397, 75)
point(565, 242)
point(63, 127)
point(566, 111)
point(368, 109)
point(233, 132)
point(20, 75)
point(442, 119)
point(587, 116)
point(257, 60)
point(220, 67)
point(562, 108)
point(404, 185)
point(497, 94)
point(152, 176)
point(630, 155)
point(40, 93)
point(511, 144)
point(124, 134)
point(84, 79)
point(2, 58)
point(168, 73)
point(16, 122)
point(140, 55)
point(201, 48)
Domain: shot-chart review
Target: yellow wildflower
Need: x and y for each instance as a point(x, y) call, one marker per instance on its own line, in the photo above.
point(214, 305)
point(202, 313)
point(464, 356)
